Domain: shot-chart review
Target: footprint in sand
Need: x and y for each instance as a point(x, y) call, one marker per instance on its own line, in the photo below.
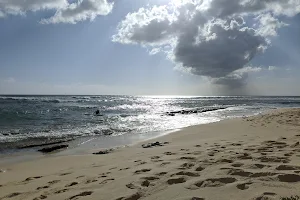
point(288, 167)
point(296, 197)
point(13, 195)
point(164, 164)
point(266, 195)
point(186, 166)
point(200, 168)
point(289, 178)
point(224, 161)
point(297, 144)
point(245, 156)
point(106, 181)
point(82, 194)
point(257, 166)
point(61, 191)
point(237, 164)
point(134, 196)
point(236, 144)
point(71, 184)
point(157, 161)
point(90, 181)
point(155, 157)
point(142, 171)
point(272, 143)
point(289, 154)
point(161, 173)
point(184, 149)
point(185, 173)
point(249, 149)
point(132, 186)
point(274, 159)
point(173, 181)
point(187, 158)
point(243, 186)
point(53, 182)
point(210, 154)
point(212, 182)
point(113, 168)
point(150, 178)
point(169, 153)
point(242, 173)
point(44, 187)
point(65, 174)
point(32, 178)
point(145, 183)
point(124, 169)
point(40, 197)
point(142, 163)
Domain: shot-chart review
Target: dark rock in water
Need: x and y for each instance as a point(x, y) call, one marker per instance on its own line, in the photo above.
point(171, 114)
point(194, 111)
point(14, 133)
point(107, 132)
point(45, 143)
point(154, 144)
point(106, 151)
point(53, 148)
point(103, 132)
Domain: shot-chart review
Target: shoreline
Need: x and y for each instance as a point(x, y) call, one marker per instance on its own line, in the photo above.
point(93, 143)
point(88, 144)
point(254, 157)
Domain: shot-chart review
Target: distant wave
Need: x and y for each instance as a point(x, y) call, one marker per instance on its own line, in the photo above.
point(290, 102)
point(26, 99)
point(45, 100)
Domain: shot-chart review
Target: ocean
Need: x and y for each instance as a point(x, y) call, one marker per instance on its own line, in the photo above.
point(27, 120)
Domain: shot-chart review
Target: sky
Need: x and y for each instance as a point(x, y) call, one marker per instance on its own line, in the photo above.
point(150, 47)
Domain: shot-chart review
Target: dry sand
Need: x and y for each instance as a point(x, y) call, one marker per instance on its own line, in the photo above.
point(249, 158)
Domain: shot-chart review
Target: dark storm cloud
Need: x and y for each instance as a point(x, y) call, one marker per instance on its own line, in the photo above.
point(208, 38)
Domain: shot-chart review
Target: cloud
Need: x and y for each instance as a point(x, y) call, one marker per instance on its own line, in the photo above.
point(80, 11)
point(236, 78)
point(2, 15)
point(272, 68)
point(20, 7)
point(269, 25)
point(65, 12)
point(213, 38)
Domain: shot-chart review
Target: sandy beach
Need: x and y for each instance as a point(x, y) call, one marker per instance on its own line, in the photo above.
point(247, 158)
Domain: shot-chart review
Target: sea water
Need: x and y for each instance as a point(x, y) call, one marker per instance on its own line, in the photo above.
point(33, 119)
